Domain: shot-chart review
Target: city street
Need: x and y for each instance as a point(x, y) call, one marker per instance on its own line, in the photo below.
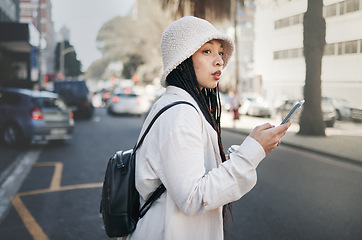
point(299, 195)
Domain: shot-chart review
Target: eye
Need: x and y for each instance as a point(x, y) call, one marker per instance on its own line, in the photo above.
point(207, 51)
point(221, 53)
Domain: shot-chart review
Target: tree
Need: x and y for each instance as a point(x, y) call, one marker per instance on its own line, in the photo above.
point(135, 41)
point(72, 66)
point(311, 120)
point(130, 67)
point(211, 10)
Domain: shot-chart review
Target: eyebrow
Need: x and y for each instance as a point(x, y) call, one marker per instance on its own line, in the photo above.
point(221, 46)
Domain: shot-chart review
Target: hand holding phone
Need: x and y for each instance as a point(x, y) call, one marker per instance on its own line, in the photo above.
point(290, 114)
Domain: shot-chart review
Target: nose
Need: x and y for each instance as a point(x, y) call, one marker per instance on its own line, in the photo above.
point(218, 60)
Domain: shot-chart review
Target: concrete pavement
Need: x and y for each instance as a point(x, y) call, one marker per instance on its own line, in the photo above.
point(343, 141)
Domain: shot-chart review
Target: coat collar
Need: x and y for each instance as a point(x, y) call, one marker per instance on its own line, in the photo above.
point(182, 94)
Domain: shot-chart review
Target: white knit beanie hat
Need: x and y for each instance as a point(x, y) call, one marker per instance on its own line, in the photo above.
point(182, 38)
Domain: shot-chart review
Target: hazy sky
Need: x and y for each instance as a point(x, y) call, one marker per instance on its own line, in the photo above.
point(84, 18)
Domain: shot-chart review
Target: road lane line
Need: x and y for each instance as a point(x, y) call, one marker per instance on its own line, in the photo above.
point(33, 227)
point(62, 188)
point(57, 175)
point(13, 182)
point(30, 223)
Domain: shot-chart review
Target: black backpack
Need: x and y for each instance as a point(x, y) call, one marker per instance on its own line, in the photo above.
point(120, 199)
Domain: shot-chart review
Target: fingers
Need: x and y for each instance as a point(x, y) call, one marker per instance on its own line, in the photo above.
point(269, 136)
point(264, 126)
point(282, 129)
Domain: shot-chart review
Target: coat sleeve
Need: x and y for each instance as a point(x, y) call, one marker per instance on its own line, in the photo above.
point(182, 167)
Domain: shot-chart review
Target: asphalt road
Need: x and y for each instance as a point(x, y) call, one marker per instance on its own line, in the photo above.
point(298, 195)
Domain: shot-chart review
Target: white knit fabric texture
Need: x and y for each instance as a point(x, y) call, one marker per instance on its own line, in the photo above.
point(182, 38)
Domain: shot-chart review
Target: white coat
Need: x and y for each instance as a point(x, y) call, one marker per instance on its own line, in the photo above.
point(181, 151)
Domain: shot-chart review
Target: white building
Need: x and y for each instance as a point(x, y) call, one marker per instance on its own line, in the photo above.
point(278, 49)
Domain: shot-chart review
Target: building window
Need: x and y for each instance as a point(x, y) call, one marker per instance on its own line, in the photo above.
point(276, 55)
point(352, 5)
point(278, 24)
point(293, 53)
point(350, 47)
point(340, 48)
point(285, 22)
point(331, 10)
point(329, 49)
point(341, 8)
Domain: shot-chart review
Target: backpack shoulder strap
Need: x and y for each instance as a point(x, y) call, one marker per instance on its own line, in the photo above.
point(161, 189)
point(155, 118)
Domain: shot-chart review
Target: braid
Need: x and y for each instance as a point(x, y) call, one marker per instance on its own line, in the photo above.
point(208, 100)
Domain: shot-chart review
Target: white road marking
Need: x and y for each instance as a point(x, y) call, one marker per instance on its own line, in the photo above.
point(11, 185)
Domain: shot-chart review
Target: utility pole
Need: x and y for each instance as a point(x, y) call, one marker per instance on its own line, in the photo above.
point(236, 65)
point(39, 47)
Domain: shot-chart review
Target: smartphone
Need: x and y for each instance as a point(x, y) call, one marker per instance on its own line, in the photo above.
point(290, 114)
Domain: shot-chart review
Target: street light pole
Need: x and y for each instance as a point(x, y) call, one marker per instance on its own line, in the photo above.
point(62, 56)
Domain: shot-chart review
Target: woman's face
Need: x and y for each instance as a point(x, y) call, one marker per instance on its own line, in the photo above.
point(208, 63)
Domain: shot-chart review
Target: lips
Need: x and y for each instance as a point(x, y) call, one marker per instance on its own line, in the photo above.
point(216, 75)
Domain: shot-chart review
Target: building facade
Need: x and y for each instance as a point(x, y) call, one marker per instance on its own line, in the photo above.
point(29, 12)
point(278, 49)
point(18, 44)
point(9, 10)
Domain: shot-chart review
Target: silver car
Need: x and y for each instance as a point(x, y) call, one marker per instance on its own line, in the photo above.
point(329, 113)
point(128, 102)
point(28, 116)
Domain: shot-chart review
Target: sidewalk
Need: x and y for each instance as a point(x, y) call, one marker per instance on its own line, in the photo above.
point(343, 141)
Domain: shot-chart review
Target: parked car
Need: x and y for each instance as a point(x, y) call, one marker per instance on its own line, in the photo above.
point(329, 113)
point(342, 107)
point(127, 101)
point(76, 95)
point(29, 115)
point(356, 114)
point(254, 105)
point(225, 101)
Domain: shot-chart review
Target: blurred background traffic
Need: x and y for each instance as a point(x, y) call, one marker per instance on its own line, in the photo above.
point(60, 61)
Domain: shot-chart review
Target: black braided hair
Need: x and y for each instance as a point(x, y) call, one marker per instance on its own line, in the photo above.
point(184, 76)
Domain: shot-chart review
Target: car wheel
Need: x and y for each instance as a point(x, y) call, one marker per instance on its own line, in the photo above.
point(330, 123)
point(339, 116)
point(110, 112)
point(12, 135)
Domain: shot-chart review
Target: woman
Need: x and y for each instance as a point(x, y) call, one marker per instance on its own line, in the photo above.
point(184, 150)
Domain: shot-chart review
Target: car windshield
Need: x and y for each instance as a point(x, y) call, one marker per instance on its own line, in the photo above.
point(126, 95)
point(73, 87)
point(50, 103)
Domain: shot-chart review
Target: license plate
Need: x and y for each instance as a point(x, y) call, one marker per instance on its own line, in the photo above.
point(58, 131)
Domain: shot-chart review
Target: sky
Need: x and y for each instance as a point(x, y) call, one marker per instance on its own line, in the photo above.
point(84, 18)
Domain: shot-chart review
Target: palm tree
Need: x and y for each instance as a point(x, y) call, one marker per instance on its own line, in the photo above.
point(311, 121)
